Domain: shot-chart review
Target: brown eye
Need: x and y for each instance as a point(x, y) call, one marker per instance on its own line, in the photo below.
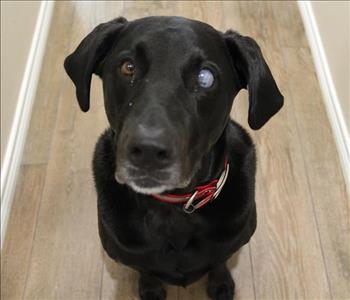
point(128, 68)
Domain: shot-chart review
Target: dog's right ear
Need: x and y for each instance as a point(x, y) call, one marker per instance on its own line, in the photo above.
point(82, 63)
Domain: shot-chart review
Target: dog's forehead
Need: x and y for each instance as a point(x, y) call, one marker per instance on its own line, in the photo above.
point(179, 24)
point(172, 33)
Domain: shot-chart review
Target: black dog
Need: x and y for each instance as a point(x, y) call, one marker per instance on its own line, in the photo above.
point(169, 84)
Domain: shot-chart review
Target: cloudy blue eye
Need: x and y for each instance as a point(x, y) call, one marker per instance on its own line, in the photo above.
point(205, 78)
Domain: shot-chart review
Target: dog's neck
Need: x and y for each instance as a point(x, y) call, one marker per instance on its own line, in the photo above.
point(211, 166)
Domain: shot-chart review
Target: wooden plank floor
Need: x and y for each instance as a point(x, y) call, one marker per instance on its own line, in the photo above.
point(301, 249)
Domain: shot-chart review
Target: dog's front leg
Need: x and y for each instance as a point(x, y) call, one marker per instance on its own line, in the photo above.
point(150, 288)
point(221, 285)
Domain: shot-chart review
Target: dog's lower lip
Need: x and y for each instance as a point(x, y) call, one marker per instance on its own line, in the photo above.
point(146, 182)
point(156, 175)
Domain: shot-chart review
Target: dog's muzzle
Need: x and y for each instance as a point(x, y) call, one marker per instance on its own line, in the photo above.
point(148, 160)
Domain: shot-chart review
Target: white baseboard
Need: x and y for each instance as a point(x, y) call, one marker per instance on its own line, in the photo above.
point(330, 97)
point(20, 124)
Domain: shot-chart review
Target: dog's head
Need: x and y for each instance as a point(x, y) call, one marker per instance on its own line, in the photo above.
point(169, 84)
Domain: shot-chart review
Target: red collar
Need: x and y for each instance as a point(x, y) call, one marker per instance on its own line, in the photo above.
point(202, 194)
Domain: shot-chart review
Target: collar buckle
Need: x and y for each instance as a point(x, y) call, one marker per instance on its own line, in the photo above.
point(188, 206)
point(204, 194)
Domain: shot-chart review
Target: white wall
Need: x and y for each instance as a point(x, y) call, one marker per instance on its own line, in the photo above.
point(18, 20)
point(24, 30)
point(332, 18)
point(327, 28)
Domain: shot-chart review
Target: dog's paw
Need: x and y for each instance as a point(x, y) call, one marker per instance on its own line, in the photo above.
point(153, 294)
point(223, 291)
point(221, 285)
point(151, 288)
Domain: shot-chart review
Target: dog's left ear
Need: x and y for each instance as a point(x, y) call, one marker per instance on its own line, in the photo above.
point(83, 62)
point(264, 97)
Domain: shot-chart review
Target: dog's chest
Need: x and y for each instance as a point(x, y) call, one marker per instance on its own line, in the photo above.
point(172, 230)
point(166, 240)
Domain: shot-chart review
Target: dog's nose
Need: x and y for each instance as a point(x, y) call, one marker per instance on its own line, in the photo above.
point(150, 148)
